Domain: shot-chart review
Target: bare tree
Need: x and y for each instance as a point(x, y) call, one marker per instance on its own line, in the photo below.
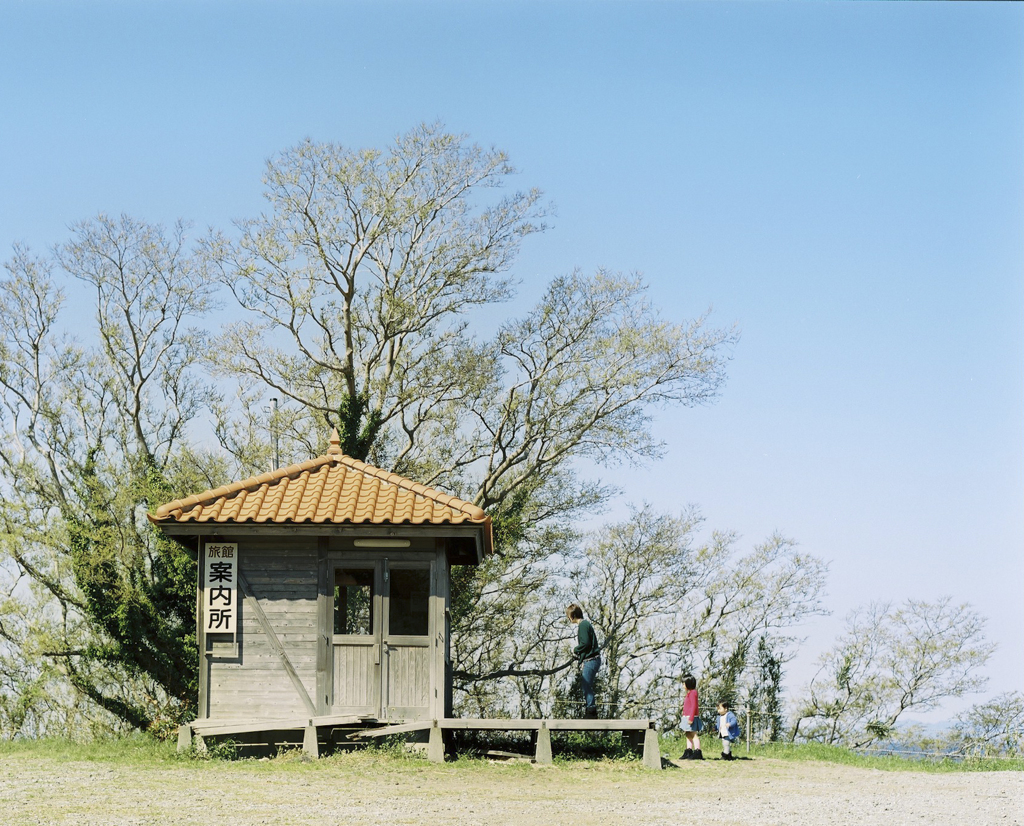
point(669, 604)
point(359, 285)
point(583, 371)
point(633, 582)
point(992, 729)
point(90, 434)
point(663, 603)
point(358, 279)
point(890, 660)
point(581, 374)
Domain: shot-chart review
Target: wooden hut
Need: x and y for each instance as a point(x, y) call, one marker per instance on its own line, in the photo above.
point(323, 595)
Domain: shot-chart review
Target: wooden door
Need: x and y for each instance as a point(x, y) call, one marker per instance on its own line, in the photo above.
point(356, 639)
point(406, 661)
point(381, 639)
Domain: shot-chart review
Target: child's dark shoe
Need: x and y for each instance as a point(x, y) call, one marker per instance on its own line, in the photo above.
point(697, 755)
point(687, 755)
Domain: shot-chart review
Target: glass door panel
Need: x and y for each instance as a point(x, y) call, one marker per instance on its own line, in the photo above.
point(409, 602)
point(353, 601)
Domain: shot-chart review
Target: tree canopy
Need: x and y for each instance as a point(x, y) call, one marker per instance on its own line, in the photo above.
point(368, 297)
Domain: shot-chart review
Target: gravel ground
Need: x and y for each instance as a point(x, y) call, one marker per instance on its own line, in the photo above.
point(761, 792)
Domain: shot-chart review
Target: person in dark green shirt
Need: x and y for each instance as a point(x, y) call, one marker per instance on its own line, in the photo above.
point(588, 654)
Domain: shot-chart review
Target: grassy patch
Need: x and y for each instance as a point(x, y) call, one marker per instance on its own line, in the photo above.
point(136, 750)
point(846, 757)
point(575, 750)
point(673, 746)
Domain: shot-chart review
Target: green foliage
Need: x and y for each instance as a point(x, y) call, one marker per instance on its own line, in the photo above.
point(589, 745)
point(215, 749)
point(765, 699)
point(723, 681)
point(139, 591)
point(513, 516)
point(565, 745)
point(393, 747)
point(511, 521)
point(880, 730)
point(23, 699)
point(358, 425)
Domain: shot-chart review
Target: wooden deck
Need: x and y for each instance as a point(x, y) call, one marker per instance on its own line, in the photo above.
point(637, 729)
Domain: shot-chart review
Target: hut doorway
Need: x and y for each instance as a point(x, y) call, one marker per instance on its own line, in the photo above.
point(380, 641)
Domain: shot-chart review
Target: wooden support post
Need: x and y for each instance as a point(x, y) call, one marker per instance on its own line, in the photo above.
point(324, 600)
point(310, 746)
point(543, 744)
point(748, 730)
point(184, 738)
point(435, 745)
point(652, 750)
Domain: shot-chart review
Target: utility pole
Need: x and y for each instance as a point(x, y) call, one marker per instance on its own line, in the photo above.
point(274, 435)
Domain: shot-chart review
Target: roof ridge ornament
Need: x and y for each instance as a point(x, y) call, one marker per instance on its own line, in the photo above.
point(335, 442)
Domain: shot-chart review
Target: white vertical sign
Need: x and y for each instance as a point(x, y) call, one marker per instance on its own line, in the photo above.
point(220, 596)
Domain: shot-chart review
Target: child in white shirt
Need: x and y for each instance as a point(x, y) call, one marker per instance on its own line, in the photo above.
point(728, 729)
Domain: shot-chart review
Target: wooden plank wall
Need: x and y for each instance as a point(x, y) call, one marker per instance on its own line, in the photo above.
point(282, 573)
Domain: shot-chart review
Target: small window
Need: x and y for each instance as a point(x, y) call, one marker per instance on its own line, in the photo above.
point(353, 601)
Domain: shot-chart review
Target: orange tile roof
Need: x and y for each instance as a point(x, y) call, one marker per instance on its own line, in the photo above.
point(333, 488)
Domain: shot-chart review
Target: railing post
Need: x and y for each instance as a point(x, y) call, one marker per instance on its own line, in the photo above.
point(652, 749)
point(184, 738)
point(543, 743)
point(310, 746)
point(435, 745)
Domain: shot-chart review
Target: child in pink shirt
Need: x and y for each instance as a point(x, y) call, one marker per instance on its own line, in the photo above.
point(691, 724)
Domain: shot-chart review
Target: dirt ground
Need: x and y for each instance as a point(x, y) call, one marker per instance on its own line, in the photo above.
point(760, 792)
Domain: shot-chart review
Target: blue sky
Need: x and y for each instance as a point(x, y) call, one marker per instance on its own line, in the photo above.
point(845, 182)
